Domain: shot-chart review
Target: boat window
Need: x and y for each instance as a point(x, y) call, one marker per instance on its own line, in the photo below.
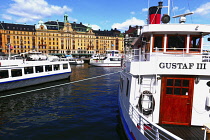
point(195, 43)
point(121, 84)
point(65, 66)
point(158, 42)
point(128, 84)
point(48, 68)
point(39, 69)
point(177, 86)
point(56, 67)
point(28, 70)
point(4, 74)
point(115, 59)
point(176, 42)
point(16, 72)
point(104, 58)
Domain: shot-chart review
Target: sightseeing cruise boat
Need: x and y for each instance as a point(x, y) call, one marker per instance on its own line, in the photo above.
point(72, 60)
point(164, 90)
point(112, 58)
point(21, 73)
point(76, 61)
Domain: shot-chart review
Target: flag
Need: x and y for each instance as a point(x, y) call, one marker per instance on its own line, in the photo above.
point(10, 47)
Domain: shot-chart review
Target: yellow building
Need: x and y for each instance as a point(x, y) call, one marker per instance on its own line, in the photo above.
point(55, 37)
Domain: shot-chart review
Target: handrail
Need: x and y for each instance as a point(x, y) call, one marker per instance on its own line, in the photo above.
point(137, 55)
point(177, 49)
point(146, 127)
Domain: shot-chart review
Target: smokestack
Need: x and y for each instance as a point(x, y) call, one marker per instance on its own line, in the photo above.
point(155, 14)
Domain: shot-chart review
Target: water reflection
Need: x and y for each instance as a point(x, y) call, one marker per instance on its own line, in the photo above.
point(83, 110)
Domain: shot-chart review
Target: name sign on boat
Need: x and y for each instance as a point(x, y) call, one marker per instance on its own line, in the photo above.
point(163, 65)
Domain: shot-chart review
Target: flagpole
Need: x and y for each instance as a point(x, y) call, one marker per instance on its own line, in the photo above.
point(8, 45)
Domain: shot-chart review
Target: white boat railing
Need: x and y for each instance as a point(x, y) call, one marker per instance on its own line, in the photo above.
point(138, 55)
point(149, 129)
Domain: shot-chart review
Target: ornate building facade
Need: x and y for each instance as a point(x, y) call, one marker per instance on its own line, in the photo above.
point(55, 37)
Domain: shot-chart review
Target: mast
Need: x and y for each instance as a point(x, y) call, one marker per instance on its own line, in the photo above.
point(169, 7)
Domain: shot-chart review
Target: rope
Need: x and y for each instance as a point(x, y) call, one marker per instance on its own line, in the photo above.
point(58, 85)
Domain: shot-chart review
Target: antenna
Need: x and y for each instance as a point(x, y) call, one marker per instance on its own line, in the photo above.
point(182, 17)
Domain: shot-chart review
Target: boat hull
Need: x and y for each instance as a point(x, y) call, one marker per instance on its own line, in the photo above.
point(103, 63)
point(128, 125)
point(76, 62)
point(29, 81)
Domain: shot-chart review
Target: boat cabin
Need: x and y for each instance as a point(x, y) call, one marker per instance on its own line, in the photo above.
point(155, 39)
point(18, 71)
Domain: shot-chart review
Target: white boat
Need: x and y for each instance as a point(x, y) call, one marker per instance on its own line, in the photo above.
point(164, 90)
point(19, 73)
point(73, 61)
point(112, 58)
point(34, 56)
point(76, 61)
point(97, 57)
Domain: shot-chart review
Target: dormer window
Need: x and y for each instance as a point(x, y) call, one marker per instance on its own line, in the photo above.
point(42, 27)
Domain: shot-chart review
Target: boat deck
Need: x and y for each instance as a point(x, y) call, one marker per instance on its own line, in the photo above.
point(186, 132)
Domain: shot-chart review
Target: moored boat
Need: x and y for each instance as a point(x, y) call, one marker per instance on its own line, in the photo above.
point(19, 73)
point(165, 80)
point(72, 60)
point(112, 58)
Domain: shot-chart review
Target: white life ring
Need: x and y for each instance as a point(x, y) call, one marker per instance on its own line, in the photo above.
point(146, 103)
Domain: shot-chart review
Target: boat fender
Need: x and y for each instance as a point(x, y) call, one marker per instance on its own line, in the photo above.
point(146, 97)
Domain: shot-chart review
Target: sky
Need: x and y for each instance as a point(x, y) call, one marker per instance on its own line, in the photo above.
point(99, 14)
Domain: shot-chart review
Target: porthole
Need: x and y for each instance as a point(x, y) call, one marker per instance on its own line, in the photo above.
point(208, 83)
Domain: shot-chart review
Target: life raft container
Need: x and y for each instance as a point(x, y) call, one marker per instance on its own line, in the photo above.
point(146, 103)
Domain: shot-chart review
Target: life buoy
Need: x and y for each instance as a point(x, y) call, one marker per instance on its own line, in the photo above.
point(146, 99)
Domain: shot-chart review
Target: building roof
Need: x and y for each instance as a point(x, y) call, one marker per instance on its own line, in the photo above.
point(17, 27)
point(56, 25)
point(132, 31)
point(113, 33)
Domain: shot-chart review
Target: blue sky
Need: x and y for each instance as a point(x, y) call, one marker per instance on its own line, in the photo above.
point(100, 14)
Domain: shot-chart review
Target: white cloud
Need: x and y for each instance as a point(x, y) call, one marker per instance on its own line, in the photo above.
point(144, 10)
point(7, 17)
point(94, 27)
point(32, 10)
point(175, 8)
point(125, 25)
point(203, 9)
point(132, 13)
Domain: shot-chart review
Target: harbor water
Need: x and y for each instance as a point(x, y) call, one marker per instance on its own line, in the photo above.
point(82, 108)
